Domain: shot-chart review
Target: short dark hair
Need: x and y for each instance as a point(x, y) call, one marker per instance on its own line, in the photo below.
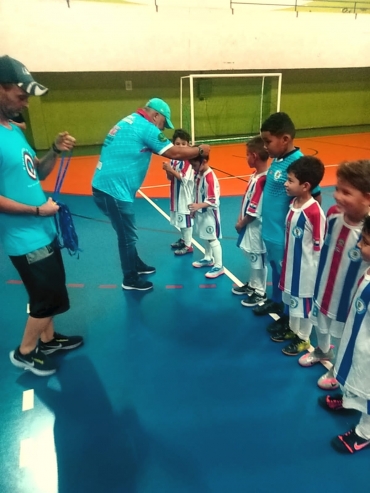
point(307, 169)
point(366, 225)
point(279, 124)
point(180, 134)
point(257, 146)
point(357, 173)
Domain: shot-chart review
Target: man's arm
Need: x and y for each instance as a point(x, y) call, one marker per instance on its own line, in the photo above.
point(9, 206)
point(182, 153)
point(45, 165)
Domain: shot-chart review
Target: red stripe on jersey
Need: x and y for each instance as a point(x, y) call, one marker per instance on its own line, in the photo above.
point(255, 199)
point(334, 269)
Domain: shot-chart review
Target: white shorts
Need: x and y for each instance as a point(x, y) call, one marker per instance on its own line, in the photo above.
point(257, 260)
point(208, 224)
point(181, 220)
point(298, 307)
point(326, 325)
point(352, 401)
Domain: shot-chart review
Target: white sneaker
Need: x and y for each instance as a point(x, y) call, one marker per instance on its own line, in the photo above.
point(204, 262)
point(215, 272)
point(327, 381)
point(316, 356)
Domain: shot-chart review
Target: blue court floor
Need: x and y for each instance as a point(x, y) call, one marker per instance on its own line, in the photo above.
point(178, 390)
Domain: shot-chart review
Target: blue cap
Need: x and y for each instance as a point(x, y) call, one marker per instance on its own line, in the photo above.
point(162, 108)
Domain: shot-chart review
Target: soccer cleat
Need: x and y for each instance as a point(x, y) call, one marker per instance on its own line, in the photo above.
point(137, 285)
point(243, 290)
point(203, 262)
point(350, 442)
point(253, 299)
point(184, 250)
point(332, 402)
point(296, 346)
point(214, 272)
point(278, 325)
point(327, 381)
point(269, 306)
point(60, 343)
point(316, 356)
point(282, 336)
point(145, 269)
point(178, 244)
point(35, 361)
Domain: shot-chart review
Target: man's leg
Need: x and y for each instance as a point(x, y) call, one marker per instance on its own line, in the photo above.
point(36, 328)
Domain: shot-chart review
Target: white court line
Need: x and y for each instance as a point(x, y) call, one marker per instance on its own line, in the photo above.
point(28, 400)
point(231, 276)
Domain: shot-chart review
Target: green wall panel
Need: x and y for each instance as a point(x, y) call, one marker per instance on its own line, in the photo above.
point(89, 104)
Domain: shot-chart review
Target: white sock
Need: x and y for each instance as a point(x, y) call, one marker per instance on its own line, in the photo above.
point(186, 234)
point(258, 279)
point(208, 251)
point(323, 340)
point(305, 328)
point(363, 428)
point(216, 252)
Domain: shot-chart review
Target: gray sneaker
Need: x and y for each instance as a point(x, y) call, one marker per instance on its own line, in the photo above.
point(316, 356)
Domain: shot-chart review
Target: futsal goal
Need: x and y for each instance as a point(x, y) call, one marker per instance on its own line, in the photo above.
point(227, 107)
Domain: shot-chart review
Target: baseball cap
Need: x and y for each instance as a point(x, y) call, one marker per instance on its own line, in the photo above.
point(14, 72)
point(162, 108)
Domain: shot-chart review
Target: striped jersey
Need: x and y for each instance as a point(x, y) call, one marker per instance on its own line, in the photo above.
point(340, 267)
point(250, 238)
point(182, 191)
point(304, 237)
point(352, 366)
point(207, 189)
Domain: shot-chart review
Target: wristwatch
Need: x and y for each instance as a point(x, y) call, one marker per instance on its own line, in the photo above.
point(200, 151)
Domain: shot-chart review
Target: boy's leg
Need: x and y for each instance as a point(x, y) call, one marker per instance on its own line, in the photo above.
point(186, 235)
point(216, 250)
point(258, 273)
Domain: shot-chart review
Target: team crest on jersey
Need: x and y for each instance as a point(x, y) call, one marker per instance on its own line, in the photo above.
point(253, 257)
point(315, 311)
point(293, 302)
point(277, 175)
point(360, 306)
point(354, 254)
point(162, 137)
point(210, 229)
point(29, 165)
point(297, 232)
point(179, 218)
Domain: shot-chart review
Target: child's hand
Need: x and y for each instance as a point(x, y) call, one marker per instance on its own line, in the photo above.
point(238, 226)
point(193, 208)
point(166, 166)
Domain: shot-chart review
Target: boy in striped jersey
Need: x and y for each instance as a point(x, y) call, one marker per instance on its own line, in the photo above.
point(340, 265)
point(205, 210)
point(181, 176)
point(249, 225)
point(304, 237)
point(352, 365)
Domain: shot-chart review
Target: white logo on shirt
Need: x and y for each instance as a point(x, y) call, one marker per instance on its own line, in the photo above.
point(360, 306)
point(29, 165)
point(277, 175)
point(354, 254)
point(297, 232)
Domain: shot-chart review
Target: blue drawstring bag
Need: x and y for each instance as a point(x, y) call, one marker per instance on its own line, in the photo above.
point(66, 232)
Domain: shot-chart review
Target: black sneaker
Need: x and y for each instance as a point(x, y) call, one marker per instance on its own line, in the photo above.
point(178, 244)
point(138, 285)
point(243, 290)
point(60, 343)
point(278, 325)
point(35, 361)
point(350, 442)
point(254, 299)
point(145, 269)
point(282, 336)
point(269, 306)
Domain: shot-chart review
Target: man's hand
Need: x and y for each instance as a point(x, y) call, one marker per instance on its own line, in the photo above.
point(64, 141)
point(50, 208)
point(206, 149)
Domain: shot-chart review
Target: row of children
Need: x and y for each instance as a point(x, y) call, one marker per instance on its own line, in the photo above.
point(320, 268)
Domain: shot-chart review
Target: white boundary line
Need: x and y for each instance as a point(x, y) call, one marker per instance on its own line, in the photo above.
point(231, 276)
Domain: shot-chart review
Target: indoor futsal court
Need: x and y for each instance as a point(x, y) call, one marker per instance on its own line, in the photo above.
point(176, 390)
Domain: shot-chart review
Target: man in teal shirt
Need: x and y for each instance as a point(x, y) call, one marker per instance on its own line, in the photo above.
point(27, 228)
point(123, 164)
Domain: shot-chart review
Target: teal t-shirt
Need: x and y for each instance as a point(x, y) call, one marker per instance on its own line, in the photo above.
point(275, 203)
point(125, 157)
point(19, 181)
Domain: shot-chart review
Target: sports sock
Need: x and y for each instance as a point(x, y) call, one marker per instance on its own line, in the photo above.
point(186, 234)
point(216, 252)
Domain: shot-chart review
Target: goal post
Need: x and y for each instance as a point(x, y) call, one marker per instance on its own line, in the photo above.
point(227, 107)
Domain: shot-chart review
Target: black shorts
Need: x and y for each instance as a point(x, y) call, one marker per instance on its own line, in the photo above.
point(43, 276)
